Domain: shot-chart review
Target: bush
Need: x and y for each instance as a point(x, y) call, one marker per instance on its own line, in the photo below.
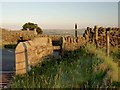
point(31, 26)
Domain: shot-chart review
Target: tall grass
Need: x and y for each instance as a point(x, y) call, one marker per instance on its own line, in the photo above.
point(107, 61)
point(86, 67)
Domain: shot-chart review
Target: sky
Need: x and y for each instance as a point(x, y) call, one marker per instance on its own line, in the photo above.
point(59, 15)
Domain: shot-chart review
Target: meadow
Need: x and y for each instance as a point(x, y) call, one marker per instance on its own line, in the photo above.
point(86, 67)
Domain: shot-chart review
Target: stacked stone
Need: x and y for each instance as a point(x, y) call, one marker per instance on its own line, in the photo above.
point(69, 45)
point(99, 37)
point(86, 36)
point(91, 36)
point(13, 36)
point(29, 53)
point(72, 43)
point(114, 36)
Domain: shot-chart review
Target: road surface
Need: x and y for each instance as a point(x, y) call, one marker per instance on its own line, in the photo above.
point(7, 66)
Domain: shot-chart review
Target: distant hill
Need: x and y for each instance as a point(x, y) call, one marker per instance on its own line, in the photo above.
point(62, 31)
point(51, 31)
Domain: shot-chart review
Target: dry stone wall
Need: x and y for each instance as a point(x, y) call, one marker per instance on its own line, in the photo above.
point(29, 53)
point(97, 35)
point(14, 36)
point(71, 43)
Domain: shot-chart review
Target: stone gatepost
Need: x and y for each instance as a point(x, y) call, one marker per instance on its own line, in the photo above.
point(21, 58)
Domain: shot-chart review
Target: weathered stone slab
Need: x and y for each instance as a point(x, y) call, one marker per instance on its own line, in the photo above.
point(20, 58)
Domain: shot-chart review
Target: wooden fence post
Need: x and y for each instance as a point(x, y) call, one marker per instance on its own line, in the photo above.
point(96, 35)
point(107, 40)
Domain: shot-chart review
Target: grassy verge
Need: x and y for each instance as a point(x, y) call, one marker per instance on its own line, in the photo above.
point(115, 53)
point(86, 67)
point(11, 46)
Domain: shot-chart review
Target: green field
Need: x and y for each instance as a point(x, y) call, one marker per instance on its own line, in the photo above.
point(86, 67)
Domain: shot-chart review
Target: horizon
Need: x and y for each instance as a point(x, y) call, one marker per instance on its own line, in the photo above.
point(59, 15)
point(43, 29)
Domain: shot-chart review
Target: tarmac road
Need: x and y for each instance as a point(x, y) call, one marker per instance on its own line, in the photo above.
point(8, 59)
point(7, 66)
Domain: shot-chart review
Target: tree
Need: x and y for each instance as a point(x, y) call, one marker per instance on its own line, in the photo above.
point(31, 26)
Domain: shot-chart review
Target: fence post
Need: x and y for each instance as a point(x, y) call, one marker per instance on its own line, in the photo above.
point(107, 40)
point(96, 35)
point(76, 30)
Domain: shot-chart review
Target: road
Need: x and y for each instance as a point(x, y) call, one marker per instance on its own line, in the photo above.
point(8, 59)
point(7, 66)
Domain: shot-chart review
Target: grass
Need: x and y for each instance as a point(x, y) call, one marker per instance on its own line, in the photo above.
point(115, 53)
point(86, 67)
point(11, 46)
point(106, 60)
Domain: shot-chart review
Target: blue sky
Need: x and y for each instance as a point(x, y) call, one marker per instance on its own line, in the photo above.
point(59, 15)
